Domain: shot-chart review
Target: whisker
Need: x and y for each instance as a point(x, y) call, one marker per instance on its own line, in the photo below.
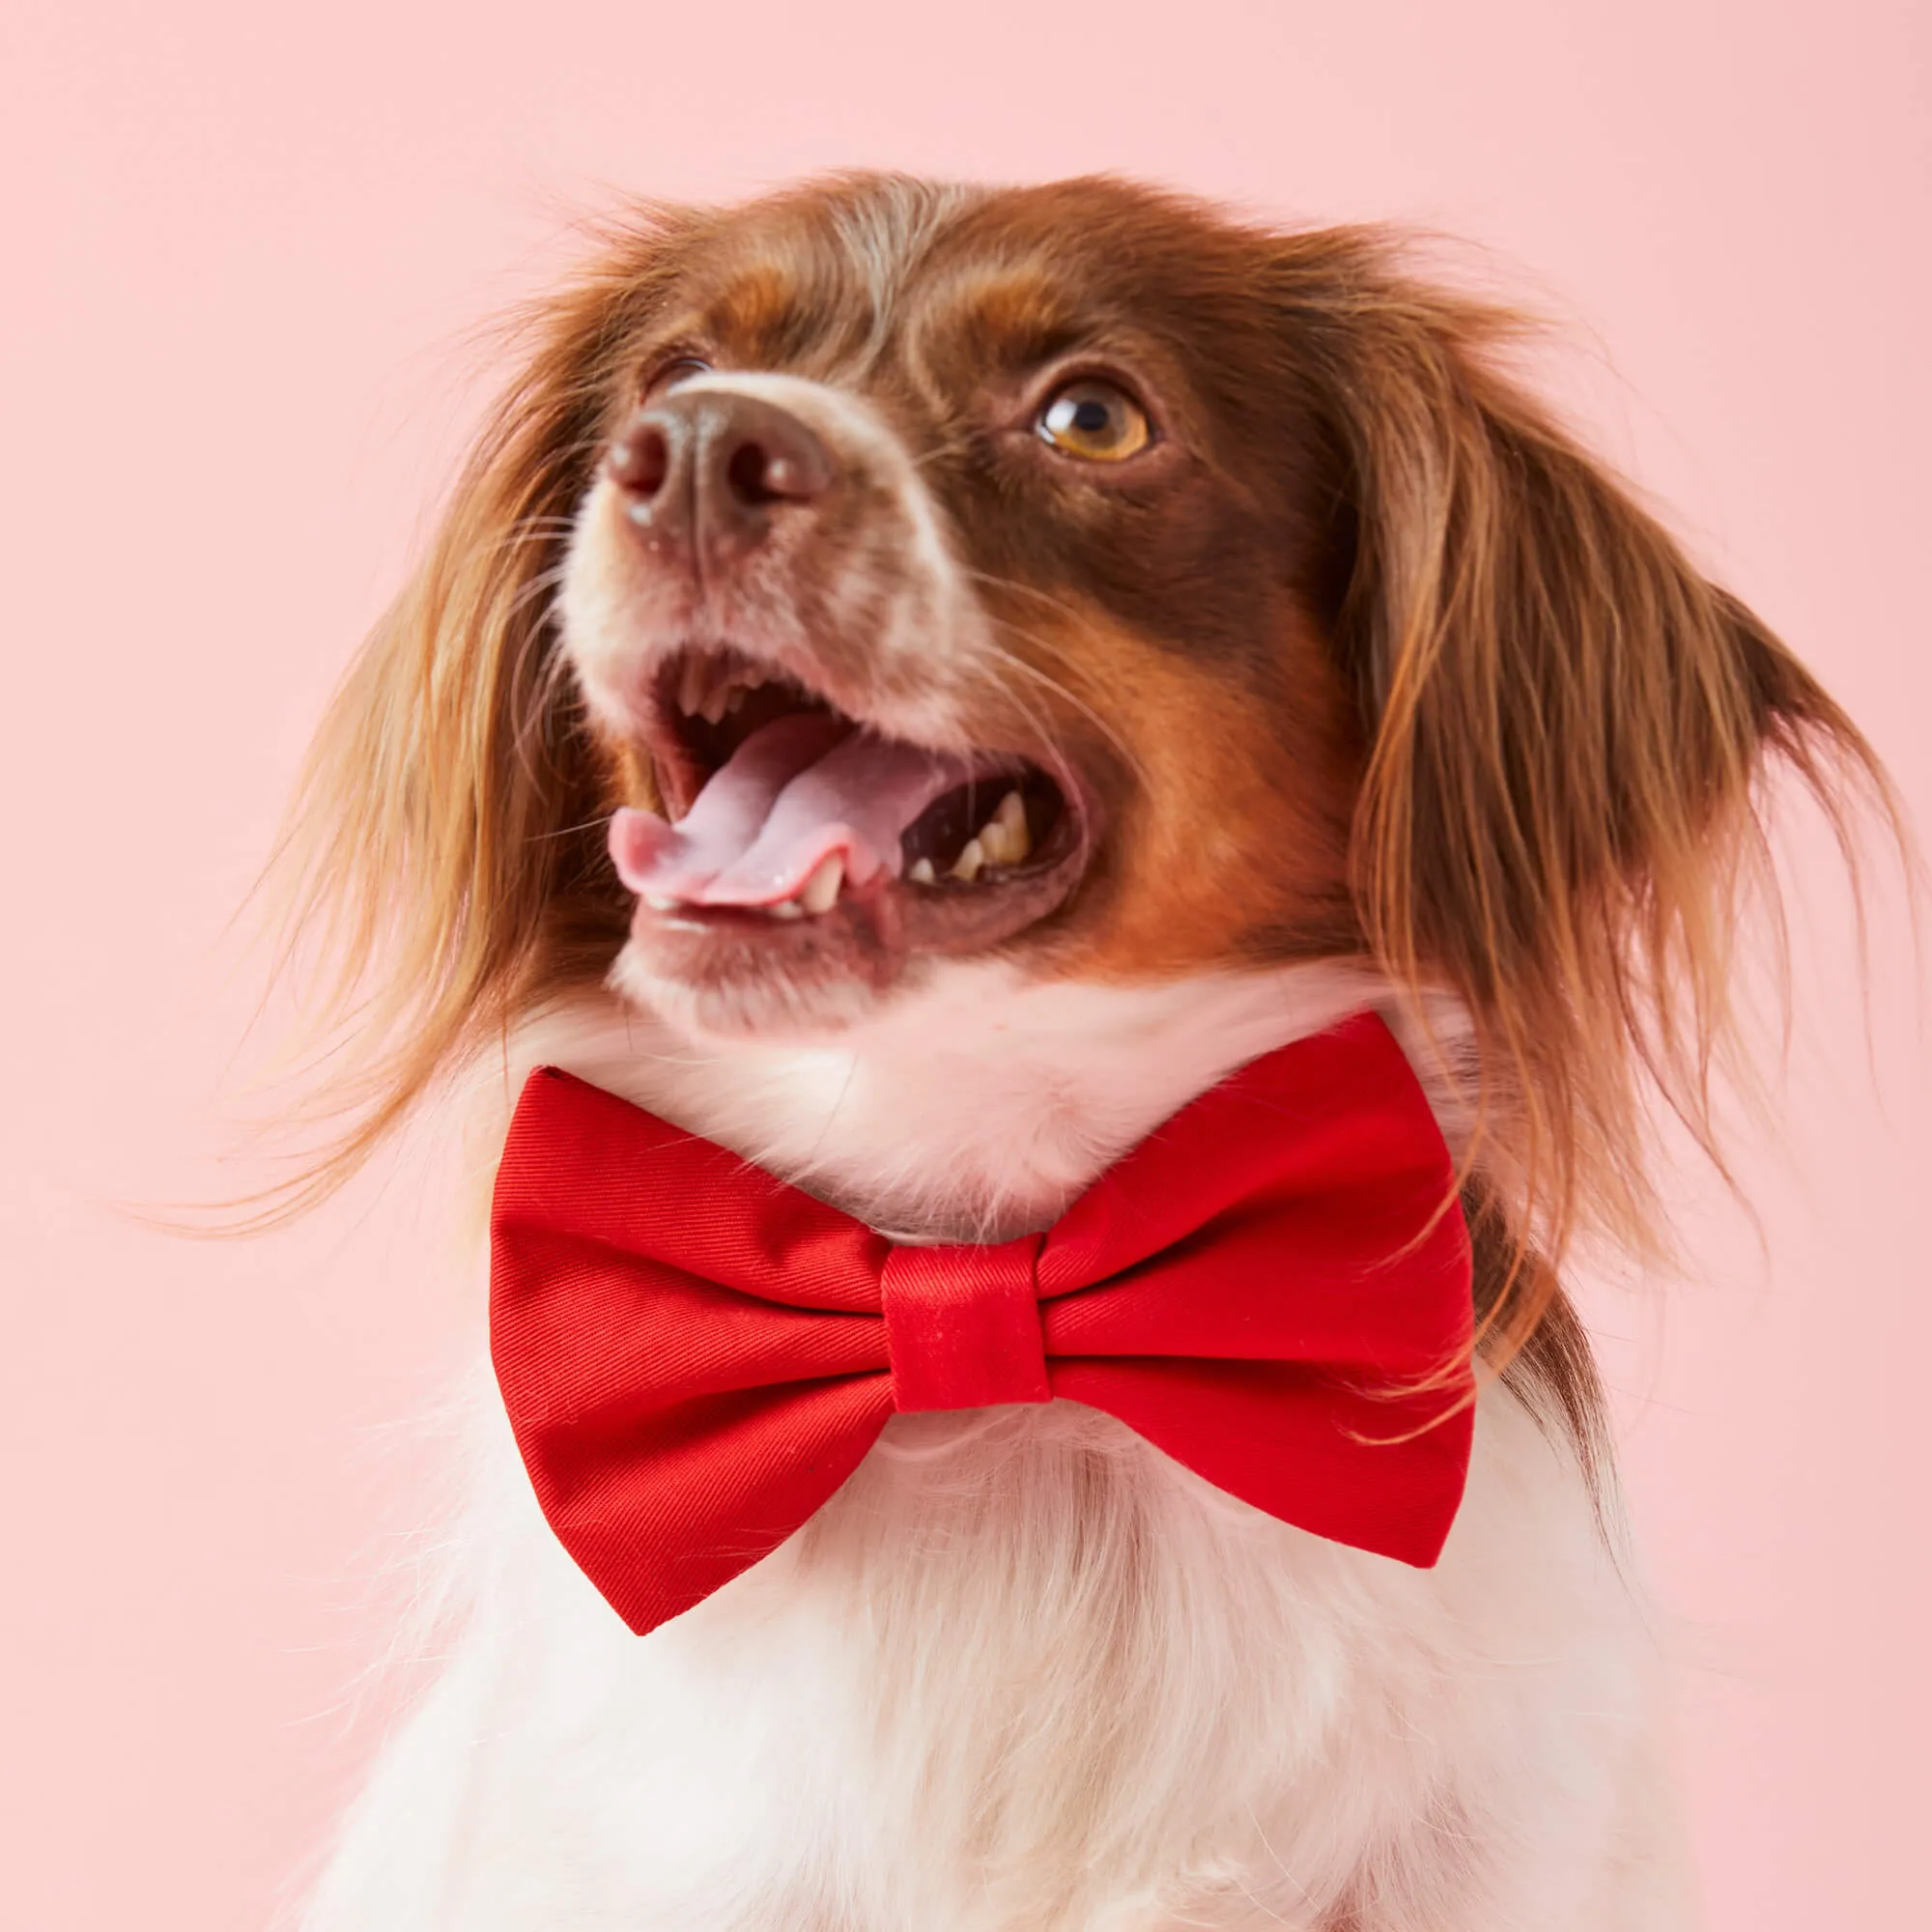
point(957, 446)
point(997, 582)
point(1012, 660)
point(568, 830)
point(1053, 646)
point(1041, 722)
point(544, 580)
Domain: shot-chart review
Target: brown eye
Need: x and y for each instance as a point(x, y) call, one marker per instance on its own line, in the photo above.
point(1094, 421)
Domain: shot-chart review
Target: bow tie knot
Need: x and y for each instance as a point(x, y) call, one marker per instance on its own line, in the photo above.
point(963, 1326)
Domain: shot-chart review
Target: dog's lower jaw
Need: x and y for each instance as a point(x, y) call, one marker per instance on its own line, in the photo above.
point(1024, 1674)
point(750, 1008)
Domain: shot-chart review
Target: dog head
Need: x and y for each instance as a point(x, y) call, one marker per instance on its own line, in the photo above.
point(958, 578)
point(879, 577)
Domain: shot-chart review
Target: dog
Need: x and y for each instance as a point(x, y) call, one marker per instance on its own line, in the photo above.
point(1194, 636)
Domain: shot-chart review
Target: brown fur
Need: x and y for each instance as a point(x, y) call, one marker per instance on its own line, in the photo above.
point(1374, 661)
point(1227, 797)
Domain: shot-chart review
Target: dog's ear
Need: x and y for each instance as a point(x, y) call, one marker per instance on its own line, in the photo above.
point(443, 860)
point(1566, 728)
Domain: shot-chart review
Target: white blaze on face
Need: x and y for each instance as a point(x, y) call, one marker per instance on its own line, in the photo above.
point(902, 634)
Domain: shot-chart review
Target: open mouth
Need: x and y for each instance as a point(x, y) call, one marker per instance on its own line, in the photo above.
point(787, 815)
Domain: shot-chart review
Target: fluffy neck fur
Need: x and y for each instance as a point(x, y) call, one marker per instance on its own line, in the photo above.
point(974, 1112)
point(1022, 1672)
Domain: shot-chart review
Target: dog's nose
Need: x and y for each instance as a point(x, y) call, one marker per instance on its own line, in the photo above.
point(712, 469)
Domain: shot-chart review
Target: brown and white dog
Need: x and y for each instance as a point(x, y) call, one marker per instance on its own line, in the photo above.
point(1208, 639)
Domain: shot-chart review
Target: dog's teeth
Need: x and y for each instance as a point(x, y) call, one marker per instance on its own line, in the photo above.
point(921, 871)
point(657, 904)
point(821, 890)
point(1003, 838)
point(787, 909)
point(969, 863)
point(735, 698)
point(712, 710)
point(691, 687)
point(1012, 820)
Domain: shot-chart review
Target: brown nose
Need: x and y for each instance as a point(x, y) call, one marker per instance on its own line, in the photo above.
point(707, 471)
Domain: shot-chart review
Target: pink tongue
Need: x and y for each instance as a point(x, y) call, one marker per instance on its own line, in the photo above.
point(795, 791)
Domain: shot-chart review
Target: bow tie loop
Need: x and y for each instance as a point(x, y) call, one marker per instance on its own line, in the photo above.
point(963, 1326)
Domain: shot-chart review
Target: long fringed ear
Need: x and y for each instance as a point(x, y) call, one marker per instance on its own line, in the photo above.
point(1561, 815)
point(441, 856)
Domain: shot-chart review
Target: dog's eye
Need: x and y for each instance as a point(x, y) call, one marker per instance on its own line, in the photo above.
point(671, 374)
point(1094, 421)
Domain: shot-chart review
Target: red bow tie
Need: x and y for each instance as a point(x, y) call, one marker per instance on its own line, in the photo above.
point(696, 1355)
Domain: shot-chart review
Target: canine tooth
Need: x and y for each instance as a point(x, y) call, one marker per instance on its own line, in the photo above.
point(735, 698)
point(821, 890)
point(1019, 847)
point(969, 862)
point(921, 871)
point(714, 704)
point(1004, 837)
point(691, 687)
point(787, 909)
point(657, 904)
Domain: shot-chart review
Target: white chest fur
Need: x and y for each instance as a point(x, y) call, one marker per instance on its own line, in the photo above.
point(1024, 1674)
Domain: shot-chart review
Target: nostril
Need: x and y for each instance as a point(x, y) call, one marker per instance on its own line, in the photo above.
point(754, 474)
point(640, 460)
point(785, 463)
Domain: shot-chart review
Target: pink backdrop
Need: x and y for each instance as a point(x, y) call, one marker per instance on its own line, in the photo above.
point(244, 243)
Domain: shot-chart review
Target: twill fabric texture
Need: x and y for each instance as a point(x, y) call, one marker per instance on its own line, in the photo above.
point(1273, 1288)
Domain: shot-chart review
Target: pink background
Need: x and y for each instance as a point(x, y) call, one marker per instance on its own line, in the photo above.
point(244, 243)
